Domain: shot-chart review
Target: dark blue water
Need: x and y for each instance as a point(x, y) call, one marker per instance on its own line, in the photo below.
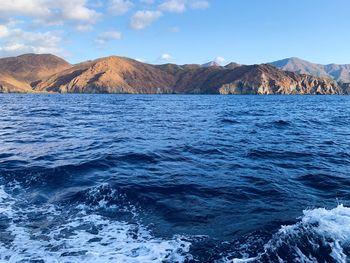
point(133, 178)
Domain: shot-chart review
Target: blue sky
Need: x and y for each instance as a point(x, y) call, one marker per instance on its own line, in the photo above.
point(179, 31)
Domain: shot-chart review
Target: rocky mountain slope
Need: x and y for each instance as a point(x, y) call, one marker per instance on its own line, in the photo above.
point(346, 88)
point(255, 79)
point(123, 75)
point(339, 73)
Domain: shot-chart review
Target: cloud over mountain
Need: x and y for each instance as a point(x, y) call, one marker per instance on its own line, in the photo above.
point(49, 26)
point(17, 41)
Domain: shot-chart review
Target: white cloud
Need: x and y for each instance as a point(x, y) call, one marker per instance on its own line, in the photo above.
point(173, 6)
point(165, 57)
point(198, 4)
point(49, 11)
point(34, 8)
point(84, 28)
point(3, 31)
point(75, 10)
point(220, 60)
point(142, 19)
point(105, 37)
point(18, 42)
point(79, 15)
point(119, 7)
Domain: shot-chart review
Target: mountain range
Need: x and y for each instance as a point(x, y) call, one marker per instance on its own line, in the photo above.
point(49, 73)
point(340, 73)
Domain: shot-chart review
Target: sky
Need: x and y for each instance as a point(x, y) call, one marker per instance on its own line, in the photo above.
point(178, 31)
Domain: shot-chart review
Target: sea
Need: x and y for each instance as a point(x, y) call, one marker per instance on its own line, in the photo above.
point(174, 178)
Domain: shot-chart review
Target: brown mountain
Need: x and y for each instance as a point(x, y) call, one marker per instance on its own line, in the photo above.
point(339, 73)
point(17, 73)
point(124, 75)
point(109, 75)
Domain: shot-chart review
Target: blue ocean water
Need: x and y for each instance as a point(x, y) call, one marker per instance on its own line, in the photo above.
point(174, 178)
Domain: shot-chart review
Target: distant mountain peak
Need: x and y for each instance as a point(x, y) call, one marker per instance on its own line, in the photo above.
point(210, 64)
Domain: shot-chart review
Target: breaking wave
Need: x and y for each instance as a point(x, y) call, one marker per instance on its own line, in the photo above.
point(321, 235)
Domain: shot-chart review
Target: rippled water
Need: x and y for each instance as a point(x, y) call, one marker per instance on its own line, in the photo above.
point(134, 178)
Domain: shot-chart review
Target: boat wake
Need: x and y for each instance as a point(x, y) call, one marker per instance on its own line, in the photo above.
point(84, 231)
point(30, 233)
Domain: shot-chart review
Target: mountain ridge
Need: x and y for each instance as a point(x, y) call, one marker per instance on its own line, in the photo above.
point(114, 74)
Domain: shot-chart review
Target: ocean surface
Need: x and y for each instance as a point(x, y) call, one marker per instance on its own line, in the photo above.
point(168, 178)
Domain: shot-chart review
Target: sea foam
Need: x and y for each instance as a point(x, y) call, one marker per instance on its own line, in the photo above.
point(321, 235)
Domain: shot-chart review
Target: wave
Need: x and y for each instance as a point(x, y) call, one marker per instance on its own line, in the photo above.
point(263, 153)
point(281, 123)
point(36, 175)
point(230, 121)
point(321, 235)
point(275, 124)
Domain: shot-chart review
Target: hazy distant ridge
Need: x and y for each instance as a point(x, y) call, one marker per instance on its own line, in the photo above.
point(334, 71)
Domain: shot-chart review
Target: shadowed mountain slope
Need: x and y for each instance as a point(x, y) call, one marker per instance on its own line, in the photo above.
point(9, 84)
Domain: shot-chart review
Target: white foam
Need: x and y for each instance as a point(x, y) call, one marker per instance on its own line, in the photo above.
point(71, 242)
point(5, 202)
point(330, 226)
point(333, 223)
point(114, 243)
point(3, 194)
